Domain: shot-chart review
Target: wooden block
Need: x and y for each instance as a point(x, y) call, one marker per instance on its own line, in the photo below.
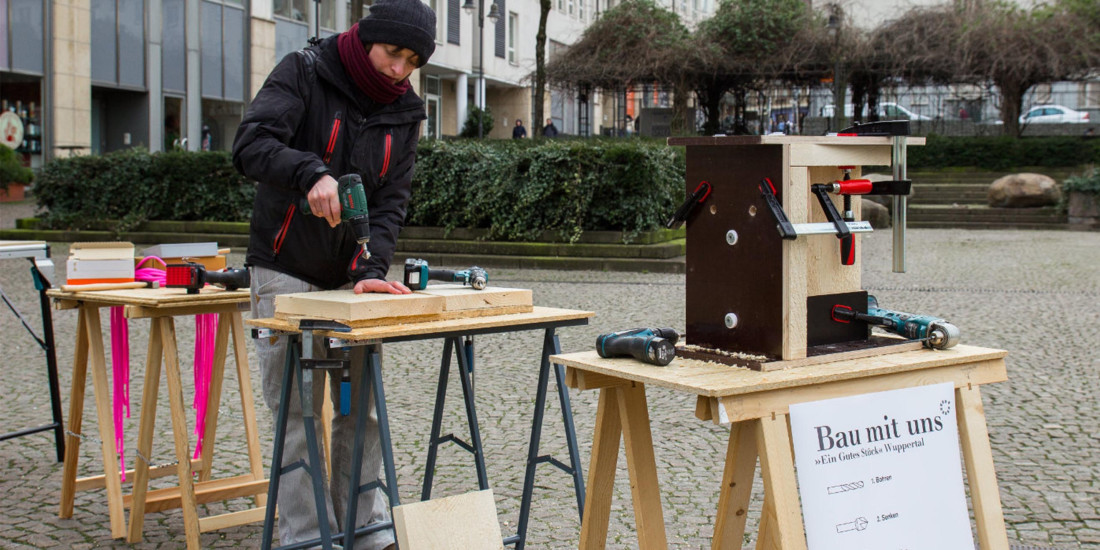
point(345, 305)
point(460, 522)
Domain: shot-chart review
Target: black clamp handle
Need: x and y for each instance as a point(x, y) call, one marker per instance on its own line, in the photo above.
point(702, 191)
point(783, 224)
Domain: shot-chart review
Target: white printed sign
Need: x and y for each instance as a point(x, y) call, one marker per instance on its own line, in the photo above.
point(882, 470)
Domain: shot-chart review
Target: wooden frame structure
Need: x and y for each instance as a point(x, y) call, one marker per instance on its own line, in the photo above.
point(160, 306)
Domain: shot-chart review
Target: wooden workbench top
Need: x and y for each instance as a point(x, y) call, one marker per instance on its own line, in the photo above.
point(154, 297)
point(537, 315)
point(708, 379)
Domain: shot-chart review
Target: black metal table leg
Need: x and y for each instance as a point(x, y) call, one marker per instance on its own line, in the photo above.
point(437, 420)
point(465, 371)
point(42, 284)
point(277, 471)
point(550, 346)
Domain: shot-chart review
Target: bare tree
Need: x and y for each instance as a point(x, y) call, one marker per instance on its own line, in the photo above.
point(540, 68)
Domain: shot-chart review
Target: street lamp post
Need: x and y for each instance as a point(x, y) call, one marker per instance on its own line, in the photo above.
point(494, 16)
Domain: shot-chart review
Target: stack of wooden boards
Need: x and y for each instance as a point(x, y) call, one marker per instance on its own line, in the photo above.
point(436, 303)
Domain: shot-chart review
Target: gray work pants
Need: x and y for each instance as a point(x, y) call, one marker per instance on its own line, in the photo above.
point(297, 513)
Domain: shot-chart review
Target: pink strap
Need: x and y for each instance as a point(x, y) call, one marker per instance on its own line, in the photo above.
point(120, 376)
point(206, 329)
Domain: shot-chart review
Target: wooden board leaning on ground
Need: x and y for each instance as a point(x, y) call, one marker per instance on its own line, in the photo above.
point(436, 303)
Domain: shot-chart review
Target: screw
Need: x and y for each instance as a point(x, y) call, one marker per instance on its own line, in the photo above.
point(731, 237)
point(731, 320)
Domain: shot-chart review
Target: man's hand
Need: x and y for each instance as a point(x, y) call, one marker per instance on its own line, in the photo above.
point(378, 285)
point(323, 200)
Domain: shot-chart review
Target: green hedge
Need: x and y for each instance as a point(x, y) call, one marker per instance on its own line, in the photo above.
point(517, 189)
point(134, 186)
point(1004, 153)
point(11, 171)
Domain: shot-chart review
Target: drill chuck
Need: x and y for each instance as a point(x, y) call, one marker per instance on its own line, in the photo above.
point(655, 346)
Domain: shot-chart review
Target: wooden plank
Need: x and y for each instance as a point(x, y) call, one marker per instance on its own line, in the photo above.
point(773, 442)
point(593, 381)
point(717, 380)
point(840, 154)
point(106, 422)
point(147, 424)
point(347, 305)
point(795, 256)
point(900, 346)
point(156, 472)
point(179, 430)
point(782, 139)
point(733, 498)
point(445, 316)
point(248, 409)
point(459, 522)
point(978, 456)
point(642, 466)
point(537, 315)
point(738, 408)
point(154, 297)
point(232, 519)
point(144, 312)
point(216, 490)
point(69, 485)
point(459, 297)
point(601, 471)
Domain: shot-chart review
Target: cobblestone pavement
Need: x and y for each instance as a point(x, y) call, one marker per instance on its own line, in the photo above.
point(1035, 293)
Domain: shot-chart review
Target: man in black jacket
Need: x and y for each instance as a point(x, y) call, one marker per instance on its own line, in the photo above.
point(341, 106)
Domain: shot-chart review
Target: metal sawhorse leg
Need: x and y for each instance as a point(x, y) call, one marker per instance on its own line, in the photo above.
point(42, 284)
point(370, 384)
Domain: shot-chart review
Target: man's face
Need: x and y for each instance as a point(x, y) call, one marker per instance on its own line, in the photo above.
point(395, 62)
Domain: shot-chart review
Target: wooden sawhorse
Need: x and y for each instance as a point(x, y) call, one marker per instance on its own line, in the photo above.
point(757, 404)
point(160, 306)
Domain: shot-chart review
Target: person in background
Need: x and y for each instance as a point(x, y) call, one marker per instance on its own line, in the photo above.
point(518, 131)
point(550, 130)
point(341, 106)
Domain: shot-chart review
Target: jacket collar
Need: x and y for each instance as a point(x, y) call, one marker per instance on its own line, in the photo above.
point(408, 108)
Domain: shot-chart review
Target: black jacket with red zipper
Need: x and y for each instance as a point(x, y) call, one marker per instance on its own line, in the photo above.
point(310, 119)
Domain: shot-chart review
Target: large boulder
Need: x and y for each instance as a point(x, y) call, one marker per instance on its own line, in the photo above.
point(877, 214)
point(1025, 190)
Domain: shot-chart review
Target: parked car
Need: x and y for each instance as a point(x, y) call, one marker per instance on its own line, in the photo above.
point(1053, 114)
point(886, 111)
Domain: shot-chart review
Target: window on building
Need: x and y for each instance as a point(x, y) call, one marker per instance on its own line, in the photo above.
point(561, 6)
point(513, 32)
point(570, 4)
point(328, 14)
point(440, 9)
point(580, 11)
point(295, 10)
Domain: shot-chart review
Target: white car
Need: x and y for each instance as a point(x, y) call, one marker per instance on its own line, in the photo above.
point(1047, 114)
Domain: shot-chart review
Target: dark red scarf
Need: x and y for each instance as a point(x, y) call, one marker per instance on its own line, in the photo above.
point(357, 63)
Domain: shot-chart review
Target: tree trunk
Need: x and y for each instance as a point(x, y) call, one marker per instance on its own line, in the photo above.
point(712, 102)
point(1012, 98)
point(540, 70)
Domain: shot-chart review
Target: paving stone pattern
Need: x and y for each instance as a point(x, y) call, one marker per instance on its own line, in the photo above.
point(1036, 294)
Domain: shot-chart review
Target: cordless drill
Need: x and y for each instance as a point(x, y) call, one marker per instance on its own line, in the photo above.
point(417, 275)
point(935, 332)
point(655, 346)
point(353, 208)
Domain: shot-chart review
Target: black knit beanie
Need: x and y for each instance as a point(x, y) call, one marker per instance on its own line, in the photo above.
point(406, 23)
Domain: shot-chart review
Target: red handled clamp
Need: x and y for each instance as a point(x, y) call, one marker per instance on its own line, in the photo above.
point(702, 191)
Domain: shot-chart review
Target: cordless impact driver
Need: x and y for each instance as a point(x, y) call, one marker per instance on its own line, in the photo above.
point(655, 346)
point(417, 275)
point(353, 208)
point(935, 332)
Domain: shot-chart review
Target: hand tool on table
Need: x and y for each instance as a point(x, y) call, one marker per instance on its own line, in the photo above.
point(353, 208)
point(655, 346)
point(417, 275)
point(789, 231)
point(193, 276)
point(107, 286)
point(847, 187)
point(935, 332)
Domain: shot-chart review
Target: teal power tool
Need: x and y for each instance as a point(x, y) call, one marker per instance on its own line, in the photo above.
point(656, 346)
point(417, 275)
point(935, 332)
point(353, 208)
